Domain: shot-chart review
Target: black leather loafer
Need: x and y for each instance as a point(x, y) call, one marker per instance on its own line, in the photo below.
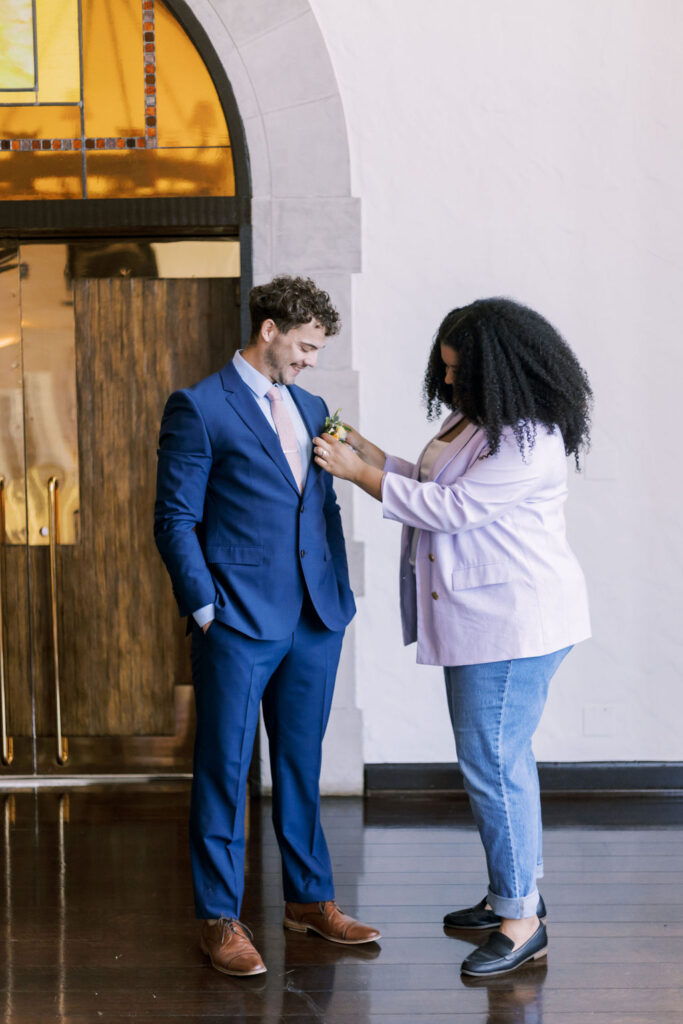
point(497, 955)
point(479, 919)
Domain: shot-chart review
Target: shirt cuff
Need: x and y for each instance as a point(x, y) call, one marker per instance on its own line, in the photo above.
point(204, 615)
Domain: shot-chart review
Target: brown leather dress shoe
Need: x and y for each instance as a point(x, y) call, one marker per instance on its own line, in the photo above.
point(227, 943)
point(328, 920)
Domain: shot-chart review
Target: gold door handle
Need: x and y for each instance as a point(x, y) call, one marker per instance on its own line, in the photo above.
point(62, 741)
point(7, 752)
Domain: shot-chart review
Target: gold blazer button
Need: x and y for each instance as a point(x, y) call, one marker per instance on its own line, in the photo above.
point(435, 595)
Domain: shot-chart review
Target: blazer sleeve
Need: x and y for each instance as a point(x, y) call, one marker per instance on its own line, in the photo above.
point(392, 464)
point(489, 488)
point(184, 464)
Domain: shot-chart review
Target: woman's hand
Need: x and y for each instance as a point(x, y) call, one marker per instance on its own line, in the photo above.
point(353, 438)
point(368, 451)
point(337, 457)
point(341, 461)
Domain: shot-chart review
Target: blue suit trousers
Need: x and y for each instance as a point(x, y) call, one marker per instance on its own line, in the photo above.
point(294, 679)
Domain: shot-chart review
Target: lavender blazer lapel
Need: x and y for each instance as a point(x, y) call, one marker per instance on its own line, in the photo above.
point(453, 450)
point(444, 458)
point(448, 423)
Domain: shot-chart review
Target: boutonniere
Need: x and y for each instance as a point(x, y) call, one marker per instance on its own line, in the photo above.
point(335, 427)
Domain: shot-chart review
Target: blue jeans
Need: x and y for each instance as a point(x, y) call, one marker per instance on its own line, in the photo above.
point(495, 709)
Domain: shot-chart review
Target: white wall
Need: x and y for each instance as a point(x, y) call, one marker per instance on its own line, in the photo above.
point(531, 149)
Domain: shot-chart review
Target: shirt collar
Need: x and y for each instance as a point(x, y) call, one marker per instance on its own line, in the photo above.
point(252, 377)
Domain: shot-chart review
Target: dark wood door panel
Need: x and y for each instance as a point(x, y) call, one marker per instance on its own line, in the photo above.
point(15, 606)
point(122, 645)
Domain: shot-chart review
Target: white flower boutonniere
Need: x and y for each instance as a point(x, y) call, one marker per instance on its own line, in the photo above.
point(335, 427)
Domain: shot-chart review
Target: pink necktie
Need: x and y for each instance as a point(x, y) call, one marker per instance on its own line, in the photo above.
point(286, 433)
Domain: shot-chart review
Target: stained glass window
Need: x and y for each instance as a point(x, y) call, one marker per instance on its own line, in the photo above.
point(106, 99)
point(17, 47)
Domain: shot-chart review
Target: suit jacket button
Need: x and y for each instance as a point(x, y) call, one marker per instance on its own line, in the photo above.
point(302, 552)
point(435, 595)
point(431, 557)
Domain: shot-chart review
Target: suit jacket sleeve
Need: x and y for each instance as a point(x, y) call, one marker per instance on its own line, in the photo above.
point(333, 523)
point(485, 492)
point(335, 534)
point(184, 464)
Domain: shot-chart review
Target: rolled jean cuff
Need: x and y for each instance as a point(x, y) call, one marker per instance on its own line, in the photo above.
point(514, 906)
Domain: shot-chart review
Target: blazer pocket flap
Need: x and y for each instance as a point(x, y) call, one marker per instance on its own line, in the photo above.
point(481, 575)
point(232, 555)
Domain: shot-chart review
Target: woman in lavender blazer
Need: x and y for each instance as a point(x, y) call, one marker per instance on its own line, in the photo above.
point(490, 588)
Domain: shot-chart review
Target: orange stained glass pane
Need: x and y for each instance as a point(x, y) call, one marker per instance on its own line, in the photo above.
point(40, 122)
point(17, 65)
point(159, 172)
point(188, 109)
point(44, 175)
point(113, 76)
point(59, 75)
point(18, 97)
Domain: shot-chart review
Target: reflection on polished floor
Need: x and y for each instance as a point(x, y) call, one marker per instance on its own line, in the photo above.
point(97, 919)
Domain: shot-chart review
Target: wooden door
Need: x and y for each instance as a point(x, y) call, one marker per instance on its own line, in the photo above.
point(106, 610)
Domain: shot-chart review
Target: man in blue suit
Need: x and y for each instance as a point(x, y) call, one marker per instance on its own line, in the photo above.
point(250, 532)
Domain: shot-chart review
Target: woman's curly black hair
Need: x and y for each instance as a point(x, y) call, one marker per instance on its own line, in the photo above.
point(514, 370)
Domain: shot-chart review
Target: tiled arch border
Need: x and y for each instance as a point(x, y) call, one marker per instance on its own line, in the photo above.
point(305, 221)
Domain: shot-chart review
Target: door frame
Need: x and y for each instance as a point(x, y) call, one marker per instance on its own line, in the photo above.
point(201, 218)
point(144, 757)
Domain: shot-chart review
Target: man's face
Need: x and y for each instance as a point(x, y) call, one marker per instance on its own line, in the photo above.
point(286, 355)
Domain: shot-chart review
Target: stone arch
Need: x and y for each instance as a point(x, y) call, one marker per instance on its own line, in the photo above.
point(304, 220)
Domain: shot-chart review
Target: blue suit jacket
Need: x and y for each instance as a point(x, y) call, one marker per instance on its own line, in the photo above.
point(229, 521)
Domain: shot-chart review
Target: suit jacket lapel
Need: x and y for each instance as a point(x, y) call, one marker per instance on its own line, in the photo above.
point(243, 402)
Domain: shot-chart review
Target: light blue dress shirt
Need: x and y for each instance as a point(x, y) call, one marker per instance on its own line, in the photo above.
point(259, 386)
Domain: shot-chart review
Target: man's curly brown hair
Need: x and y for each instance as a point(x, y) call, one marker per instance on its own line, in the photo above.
point(291, 302)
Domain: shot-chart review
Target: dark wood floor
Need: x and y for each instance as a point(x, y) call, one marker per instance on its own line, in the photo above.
point(97, 919)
